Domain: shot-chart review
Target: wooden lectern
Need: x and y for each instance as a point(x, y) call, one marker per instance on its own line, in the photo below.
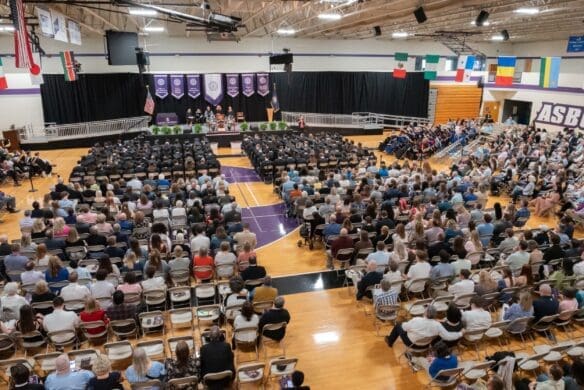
point(14, 137)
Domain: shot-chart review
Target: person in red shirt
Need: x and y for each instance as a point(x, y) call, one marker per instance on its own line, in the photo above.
point(344, 241)
point(93, 312)
point(203, 259)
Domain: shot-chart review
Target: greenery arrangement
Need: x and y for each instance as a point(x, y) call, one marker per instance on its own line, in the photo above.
point(244, 126)
point(156, 130)
point(177, 129)
point(273, 126)
point(166, 130)
point(282, 125)
point(263, 126)
point(198, 128)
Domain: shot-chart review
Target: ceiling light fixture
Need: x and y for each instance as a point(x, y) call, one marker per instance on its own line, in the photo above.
point(527, 11)
point(142, 12)
point(399, 34)
point(474, 23)
point(286, 31)
point(7, 28)
point(497, 38)
point(154, 29)
point(330, 16)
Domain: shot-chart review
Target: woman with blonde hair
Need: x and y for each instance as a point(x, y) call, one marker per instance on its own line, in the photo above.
point(523, 308)
point(156, 261)
point(400, 251)
point(99, 198)
point(92, 313)
point(38, 229)
point(102, 226)
point(56, 273)
point(143, 369)
point(42, 255)
point(131, 263)
point(104, 377)
point(400, 233)
point(26, 243)
point(60, 229)
point(42, 293)
point(463, 217)
point(474, 243)
point(486, 284)
point(418, 232)
point(73, 239)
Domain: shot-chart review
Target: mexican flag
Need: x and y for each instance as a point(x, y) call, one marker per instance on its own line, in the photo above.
point(399, 72)
point(3, 82)
point(430, 72)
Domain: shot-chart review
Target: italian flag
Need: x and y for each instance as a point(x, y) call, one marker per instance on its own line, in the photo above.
point(399, 72)
point(3, 82)
point(68, 63)
point(430, 72)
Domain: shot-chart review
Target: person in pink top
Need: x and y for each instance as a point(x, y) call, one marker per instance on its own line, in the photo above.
point(568, 302)
point(85, 216)
point(130, 284)
point(244, 256)
point(60, 229)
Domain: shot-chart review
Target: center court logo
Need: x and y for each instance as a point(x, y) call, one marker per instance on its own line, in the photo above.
point(561, 115)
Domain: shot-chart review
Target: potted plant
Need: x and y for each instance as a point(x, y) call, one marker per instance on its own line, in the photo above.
point(166, 130)
point(244, 126)
point(198, 128)
point(273, 126)
point(263, 126)
point(282, 125)
point(155, 130)
point(177, 129)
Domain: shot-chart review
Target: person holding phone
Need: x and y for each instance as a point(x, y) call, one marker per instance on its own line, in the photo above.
point(64, 378)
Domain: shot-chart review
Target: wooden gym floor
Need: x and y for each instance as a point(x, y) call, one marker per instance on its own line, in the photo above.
point(331, 335)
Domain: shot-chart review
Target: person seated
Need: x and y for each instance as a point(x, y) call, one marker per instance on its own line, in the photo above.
point(60, 319)
point(184, 365)
point(56, 272)
point(370, 279)
point(202, 259)
point(443, 269)
point(153, 282)
point(105, 378)
point(22, 379)
point(387, 296)
point(42, 293)
point(93, 312)
point(11, 301)
point(443, 359)
point(119, 310)
point(265, 292)
point(465, 285)
point(420, 329)
point(15, 262)
point(380, 256)
point(245, 319)
point(509, 243)
point(253, 271)
point(112, 250)
point(544, 204)
point(518, 258)
point(224, 257)
point(522, 308)
point(552, 381)
point(143, 369)
point(344, 241)
point(486, 284)
point(216, 356)
point(65, 378)
point(476, 318)
point(297, 379)
point(102, 288)
point(277, 314)
point(568, 303)
point(74, 290)
point(421, 269)
point(546, 304)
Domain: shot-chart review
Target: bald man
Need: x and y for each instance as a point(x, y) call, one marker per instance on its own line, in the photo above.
point(341, 242)
point(546, 304)
point(65, 379)
point(371, 278)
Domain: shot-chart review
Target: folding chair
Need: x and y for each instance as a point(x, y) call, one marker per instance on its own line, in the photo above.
point(261, 306)
point(545, 325)
point(385, 314)
point(188, 382)
point(452, 377)
point(62, 338)
point(154, 349)
point(239, 338)
point(474, 337)
point(7, 343)
point(441, 303)
point(250, 373)
point(118, 351)
point(171, 342)
point(478, 370)
point(31, 341)
point(76, 305)
point(217, 376)
point(531, 363)
point(151, 322)
point(148, 385)
point(265, 340)
point(124, 328)
point(280, 367)
point(416, 286)
point(462, 301)
point(497, 331)
point(91, 331)
point(83, 356)
point(209, 314)
point(553, 353)
point(155, 298)
point(205, 292)
point(180, 297)
point(418, 307)
point(46, 362)
point(566, 323)
point(180, 277)
point(520, 327)
point(181, 318)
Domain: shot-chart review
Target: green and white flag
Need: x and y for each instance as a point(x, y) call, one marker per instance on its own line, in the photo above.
point(430, 72)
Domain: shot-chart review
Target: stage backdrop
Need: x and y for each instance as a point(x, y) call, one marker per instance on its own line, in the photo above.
point(117, 95)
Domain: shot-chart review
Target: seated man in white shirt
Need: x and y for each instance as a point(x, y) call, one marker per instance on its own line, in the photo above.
point(380, 256)
point(476, 318)
point(30, 275)
point(518, 259)
point(60, 319)
point(152, 282)
point(74, 291)
point(421, 330)
point(464, 286)
point(509, 243)
point(200, 240)
point(102, 288)
point(226, 259)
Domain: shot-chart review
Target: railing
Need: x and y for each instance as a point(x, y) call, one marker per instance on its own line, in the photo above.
point(86, 129)
point(356, 119)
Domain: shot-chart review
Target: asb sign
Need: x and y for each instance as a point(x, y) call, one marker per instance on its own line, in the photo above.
point(561, 115)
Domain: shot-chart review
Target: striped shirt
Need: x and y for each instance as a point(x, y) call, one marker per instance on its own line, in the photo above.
point(386, 298)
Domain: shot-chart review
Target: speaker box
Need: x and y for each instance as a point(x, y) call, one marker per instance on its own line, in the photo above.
point(377, 30)
point(482, 18)
point(505, 35)
point(142, 58)
point(278, 59)
point(420, 15)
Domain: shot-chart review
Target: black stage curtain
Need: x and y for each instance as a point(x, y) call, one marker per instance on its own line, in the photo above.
point(117, 95)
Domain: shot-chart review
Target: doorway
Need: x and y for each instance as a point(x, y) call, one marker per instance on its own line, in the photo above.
point(519, 110)
point(491, 108)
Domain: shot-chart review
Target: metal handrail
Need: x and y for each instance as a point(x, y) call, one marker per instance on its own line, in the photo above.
point(361, 119)
point(85, 129)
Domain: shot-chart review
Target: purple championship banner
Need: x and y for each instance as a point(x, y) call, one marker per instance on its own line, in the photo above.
point(232, 84)
point(247, 82)
point(263, 84)
point(194, 85)
point(177, 85)
point(161, 85)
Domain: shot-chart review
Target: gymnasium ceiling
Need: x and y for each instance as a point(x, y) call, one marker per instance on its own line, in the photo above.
point(557, 19)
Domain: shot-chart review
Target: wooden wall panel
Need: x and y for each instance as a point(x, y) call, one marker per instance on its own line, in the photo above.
point(457, 101)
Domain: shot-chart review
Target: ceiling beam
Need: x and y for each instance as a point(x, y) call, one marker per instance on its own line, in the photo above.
point(97, 16)
point(295, 8)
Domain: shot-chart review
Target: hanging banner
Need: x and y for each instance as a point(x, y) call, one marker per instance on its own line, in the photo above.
point(214, 88)
point(59, 27)
point(177, 86)
point(74, 32)
point(161, 85)
point(194, 85)
point(247, 84)
point(45, 22)
point(232, 84)
point(263, 84)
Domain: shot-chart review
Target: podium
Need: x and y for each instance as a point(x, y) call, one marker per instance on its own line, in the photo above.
point(14, 137)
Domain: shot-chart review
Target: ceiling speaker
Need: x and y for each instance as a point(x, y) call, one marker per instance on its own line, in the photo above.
point(505, 35)
point(420, 15)
point(482, 18)
point(377, 31)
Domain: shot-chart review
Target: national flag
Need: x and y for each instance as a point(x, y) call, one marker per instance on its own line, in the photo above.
point(3, 82)
point(22, 49)
point(149, 105)
point(430, 72)
point(464, 68)
point(399, 72)
point(68, 63)
point(549, 72)
point(275, 103)
point(505, 70)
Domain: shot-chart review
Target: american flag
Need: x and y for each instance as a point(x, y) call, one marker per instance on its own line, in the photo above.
point(22, 48)
point(149, 105)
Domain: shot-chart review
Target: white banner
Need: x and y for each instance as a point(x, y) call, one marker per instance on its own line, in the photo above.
point(74, 32)
point(59, 26)
point(45, 22)
point(214, 88)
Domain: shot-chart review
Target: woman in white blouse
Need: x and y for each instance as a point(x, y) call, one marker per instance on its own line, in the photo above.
point(246, 319)
point(474, 243)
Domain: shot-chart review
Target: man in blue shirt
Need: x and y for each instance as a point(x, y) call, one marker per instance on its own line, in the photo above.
point(332, 229)
point(65, 379)
point(15, 261)
point(486, 230)
point(523, 212)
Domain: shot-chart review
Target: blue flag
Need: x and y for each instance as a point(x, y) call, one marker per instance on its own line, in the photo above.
point(275, 103)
